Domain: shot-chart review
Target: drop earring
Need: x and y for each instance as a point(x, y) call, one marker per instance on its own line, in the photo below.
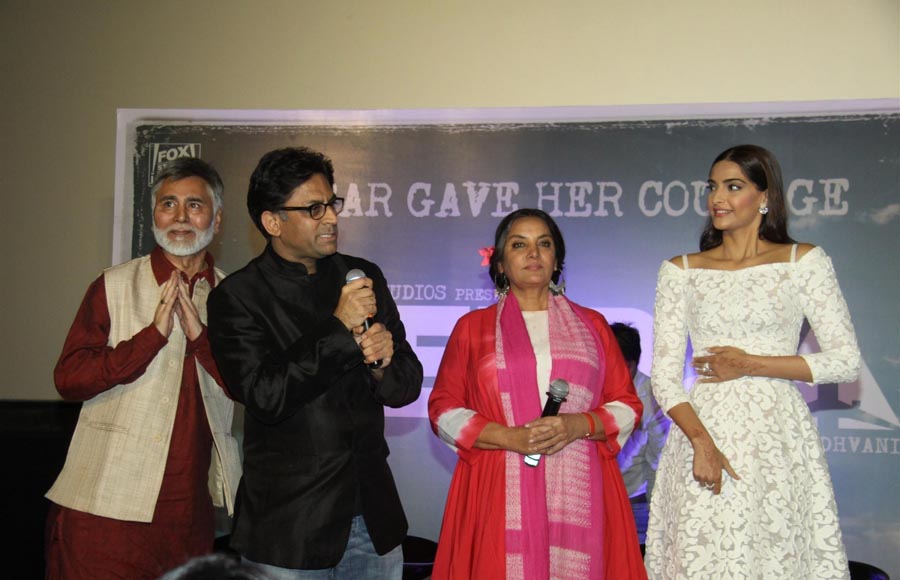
point(502, 284)
point(558, 289)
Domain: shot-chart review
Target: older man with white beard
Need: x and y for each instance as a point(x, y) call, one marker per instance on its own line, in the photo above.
point(135, 497)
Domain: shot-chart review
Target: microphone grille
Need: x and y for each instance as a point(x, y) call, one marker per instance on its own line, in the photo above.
point(559, 388)
point(354, 274)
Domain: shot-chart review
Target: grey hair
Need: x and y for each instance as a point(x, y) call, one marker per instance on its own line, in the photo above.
point(185, 167)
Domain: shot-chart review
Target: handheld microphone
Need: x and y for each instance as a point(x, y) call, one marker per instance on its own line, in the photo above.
point(556, 395)
point(356, 274)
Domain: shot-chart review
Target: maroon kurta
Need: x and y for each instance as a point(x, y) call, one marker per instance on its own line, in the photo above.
point(84, 546)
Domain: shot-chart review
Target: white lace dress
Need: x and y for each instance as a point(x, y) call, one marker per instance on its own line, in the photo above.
point(780, 520)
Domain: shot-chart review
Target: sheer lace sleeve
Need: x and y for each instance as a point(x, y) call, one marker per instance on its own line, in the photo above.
point(823, 305)
point(669, 336)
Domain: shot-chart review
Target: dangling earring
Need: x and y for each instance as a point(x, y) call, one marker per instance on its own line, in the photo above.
point(502, 284)
point(557, 289)
point(763, 209)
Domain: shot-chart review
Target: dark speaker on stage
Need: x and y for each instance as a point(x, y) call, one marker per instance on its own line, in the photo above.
point(861, 571)
point(418, 557)
point(34, 440)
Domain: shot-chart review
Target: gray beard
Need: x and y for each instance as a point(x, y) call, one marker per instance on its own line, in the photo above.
point(202, 239)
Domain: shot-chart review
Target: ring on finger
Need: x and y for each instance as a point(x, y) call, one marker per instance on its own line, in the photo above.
point(706, 368)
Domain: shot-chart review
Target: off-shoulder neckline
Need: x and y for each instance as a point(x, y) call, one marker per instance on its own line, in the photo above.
point(815, 249)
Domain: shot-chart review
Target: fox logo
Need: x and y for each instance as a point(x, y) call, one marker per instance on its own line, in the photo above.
point(161, 154)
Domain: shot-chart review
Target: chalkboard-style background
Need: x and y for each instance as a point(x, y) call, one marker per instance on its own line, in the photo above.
point(424, 199)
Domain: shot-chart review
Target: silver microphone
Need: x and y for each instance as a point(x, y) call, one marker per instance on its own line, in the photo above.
point(356, 274)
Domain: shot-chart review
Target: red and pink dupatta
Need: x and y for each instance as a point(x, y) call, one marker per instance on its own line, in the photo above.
point(554, 512)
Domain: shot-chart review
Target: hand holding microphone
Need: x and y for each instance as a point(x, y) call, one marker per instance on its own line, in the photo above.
point(368, 296)
point(556, 395)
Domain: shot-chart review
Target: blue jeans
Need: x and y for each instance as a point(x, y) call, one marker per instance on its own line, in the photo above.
point(359, 562)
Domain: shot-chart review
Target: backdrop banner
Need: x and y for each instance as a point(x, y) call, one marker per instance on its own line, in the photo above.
point(425, 190)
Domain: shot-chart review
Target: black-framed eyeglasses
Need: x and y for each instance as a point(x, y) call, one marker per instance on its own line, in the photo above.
point(317, 210)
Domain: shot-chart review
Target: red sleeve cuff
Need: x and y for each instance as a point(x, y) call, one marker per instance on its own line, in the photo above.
point(466, 442)
point(200, 349)
point(610, 447)
point(150, 340)
point(198, 345)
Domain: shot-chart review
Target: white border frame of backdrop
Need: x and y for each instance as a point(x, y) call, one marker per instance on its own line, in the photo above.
point(128, 119)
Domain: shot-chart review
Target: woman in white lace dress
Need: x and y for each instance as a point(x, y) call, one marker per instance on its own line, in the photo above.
point(743, 489)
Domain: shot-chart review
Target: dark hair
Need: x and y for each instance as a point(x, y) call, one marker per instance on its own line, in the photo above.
point(185, 167)
point(761, 167)
point(503, 231)
point(629, 340)
point(216, 566)
point(280, 172)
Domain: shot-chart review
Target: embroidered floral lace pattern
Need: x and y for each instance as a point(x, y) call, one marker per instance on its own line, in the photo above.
point(780, 520)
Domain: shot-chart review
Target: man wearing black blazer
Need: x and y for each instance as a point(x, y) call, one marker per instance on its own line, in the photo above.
point(314, 359)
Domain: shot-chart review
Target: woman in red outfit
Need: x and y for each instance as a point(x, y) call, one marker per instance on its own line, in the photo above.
point(568, 516)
